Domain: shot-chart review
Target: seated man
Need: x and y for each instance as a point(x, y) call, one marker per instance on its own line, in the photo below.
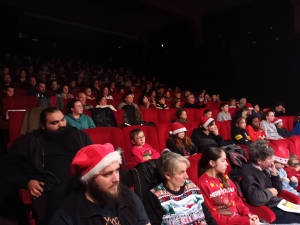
point(261, 183)
point(132, 113)
point(82, 98)
point(279, 110)
point(54, 85)
point(40, 160)
point(102, 199)
point(39, 91)
point(191, 103)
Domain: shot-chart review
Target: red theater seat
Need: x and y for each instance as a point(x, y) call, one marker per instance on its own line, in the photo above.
point(15, 123)
point(19, 102)
point(285, 143)
point(165, 116)
point(163, 134)
point(117, 96)
point(223, 130)
point(91, 102)
point(87, 112)
point(296, 141)
point(191, 114)
point(233, 111)
point(199, 113)
point(20, 92)
point(285, 122)
point(150, 115)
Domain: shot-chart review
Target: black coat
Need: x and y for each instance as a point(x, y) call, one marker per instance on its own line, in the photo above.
point(240, 136)
point(173, 147)
point(202, 140)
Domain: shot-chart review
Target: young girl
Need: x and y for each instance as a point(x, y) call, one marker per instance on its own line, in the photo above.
point(219, 191)
point(238, 133)
point(181, 116)
point(179, 142)
point(254, 129)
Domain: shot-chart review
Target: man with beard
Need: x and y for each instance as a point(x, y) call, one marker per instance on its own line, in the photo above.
point(102, 199)
point(41, 160)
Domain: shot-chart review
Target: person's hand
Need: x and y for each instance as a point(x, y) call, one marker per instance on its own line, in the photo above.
point(35, 188)
point(286, 179)
point(244, 114)
point(283, 110)
point(272, 169)
point(294, 179)
point(216, 132)
point(147, 157)
point(201, 99)
point(274, 191)
point(253, 219)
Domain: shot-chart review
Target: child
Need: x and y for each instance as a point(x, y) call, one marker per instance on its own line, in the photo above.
point(254, 130)
point(141, 151)
point(181, 116)
point(280, 130)
point(281, 157)
point(238, 133)
point(9, 91)
point(179, 142)
point(292, 167)
point(207, 113)
point(161, 103)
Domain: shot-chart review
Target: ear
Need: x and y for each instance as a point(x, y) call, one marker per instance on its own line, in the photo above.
point(133, 142)
point(42, 126)
point(168, 176)
point(212, 163)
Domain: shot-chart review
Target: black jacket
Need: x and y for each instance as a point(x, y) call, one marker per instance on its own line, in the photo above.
point(202, 140)
point(25, 161)
point(240, 136)
point(194, 106)
point(283, 132)
point(255, 184)
point(173, 147)
point(77, 210)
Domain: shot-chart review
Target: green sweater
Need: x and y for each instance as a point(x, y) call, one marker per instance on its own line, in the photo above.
point(84, 122)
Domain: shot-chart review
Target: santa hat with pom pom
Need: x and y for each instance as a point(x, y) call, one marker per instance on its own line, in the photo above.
point(177, 128)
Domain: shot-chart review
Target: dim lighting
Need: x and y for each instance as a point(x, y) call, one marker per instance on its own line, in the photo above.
point(119, 46)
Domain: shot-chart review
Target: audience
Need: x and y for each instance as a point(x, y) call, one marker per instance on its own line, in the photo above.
point(245, 111)
point(167, 96)
point(219, 192)
point(243, 102)
point(82, 98)
point(88, 93)
point(293, 167)
point(238, 133)
point(9, 91)
point(176, 103)
point(191, 102)
point(102, 103)
point(105, 92)
point(177, 199)
point(40, 91)
point(269, 127)
point(232, 103)
point(65, 93)
point(280, 130)
point(141, 151)
point(279, 110)
point(207, 113)
point(132, 114)
point(54, 85)
point(161, 104)
point(179, 143)
point(254, 130)
point(144, 103)
point(223, 115)
point(181, 116)
point(75, 116)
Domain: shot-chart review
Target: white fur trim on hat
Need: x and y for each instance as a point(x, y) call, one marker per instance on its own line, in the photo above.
point(280, 160)
point(207, 122)
point(278, 121)
point(183, 129)
point(106, 161)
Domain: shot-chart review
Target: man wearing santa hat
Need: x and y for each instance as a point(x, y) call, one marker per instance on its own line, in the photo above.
point(102, 200)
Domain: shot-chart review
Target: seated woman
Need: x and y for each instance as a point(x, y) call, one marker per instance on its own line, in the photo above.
point(176, 200)
point(268, 126)
point(167, 96)
point(101, 100)
point(176, 103)
point(254, 130)
point(224, 115)
point(179, 142)
point(65, 93)
point(75, 116)
point(238, 133)
point(219, 192)
point(88, 93)
point(112, 87)
point(105, 92)
point(144, 103)
point(181, 116)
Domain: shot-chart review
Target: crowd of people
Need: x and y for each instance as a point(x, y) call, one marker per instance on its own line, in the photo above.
point(41, 161)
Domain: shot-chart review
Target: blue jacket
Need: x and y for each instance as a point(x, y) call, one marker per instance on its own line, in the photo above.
point(296, 129)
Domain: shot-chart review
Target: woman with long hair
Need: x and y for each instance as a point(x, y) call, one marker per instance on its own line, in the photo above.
point(179, 142)
point(220, 192)
point(144, 103)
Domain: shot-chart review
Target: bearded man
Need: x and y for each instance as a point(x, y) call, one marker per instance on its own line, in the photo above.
point(41, 160)
point(102, 199)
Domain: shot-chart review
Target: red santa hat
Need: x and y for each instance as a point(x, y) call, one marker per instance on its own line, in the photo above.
point(249, 106)
point(92, 159)
point(277, 120)
point(281, 155)
point(177, 128)
point(266, 110)
point(205, 120)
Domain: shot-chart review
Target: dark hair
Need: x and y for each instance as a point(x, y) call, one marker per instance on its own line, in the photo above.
point(222, 105)
point(104, 88)
point(44, 113)
point(211, 153)
point(159, 97)
point(179, 112)
point(54, 81)
point(279, 103)
point(250, 119)
point(210, 124)
point(259, 150)
point(134, 132)
point(206, 111)
point(8, 86)
point(265, 114)
point(126, 94)
point(70, 105)
point(141, 99)
point(100, 97)
point(175, 101)
point(40, 82)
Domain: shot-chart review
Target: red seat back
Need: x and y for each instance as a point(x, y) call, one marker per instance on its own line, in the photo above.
point(199, 113)
point(15, 123)
point(233, 111)
point(163, 134)
point(191, 114)
point(165, 116)
point(19, 102)
point(192, 171)
point(285, 122)
point(285, 143)
point(87, 112)
point(20, 92)
point(223, 130)
point(150, 115)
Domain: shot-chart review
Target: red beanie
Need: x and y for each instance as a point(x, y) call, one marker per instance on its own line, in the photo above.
point(177, 128)
point(249, 106)
point(205, 120)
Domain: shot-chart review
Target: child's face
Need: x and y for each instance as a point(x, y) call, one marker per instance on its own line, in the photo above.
point(278, 165)
point(162, 101)
point(139, 139)
point(183, 115)
point(208, 114)
point(279, 125)
point(242, 124)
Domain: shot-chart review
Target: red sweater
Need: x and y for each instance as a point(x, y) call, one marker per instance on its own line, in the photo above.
point(216, 197)
point(138, 153)
point(255, 135)
point(292, 172)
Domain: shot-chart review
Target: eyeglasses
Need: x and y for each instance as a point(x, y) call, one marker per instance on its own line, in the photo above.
point(294, 164)
point(140, 138)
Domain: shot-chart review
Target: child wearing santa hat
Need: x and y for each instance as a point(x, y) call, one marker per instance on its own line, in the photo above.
point(280, 130)
point(281, 157)
point(179, 142)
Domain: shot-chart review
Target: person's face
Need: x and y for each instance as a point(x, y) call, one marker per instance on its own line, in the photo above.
point(270, 117)
point(232, 102)
point(181, 135)
point(206, 96)
point(256, 108)
point(162, 101)
point(220, 165)
point(212, 128)
point(82, 98)
point(139, 139)
point(96, 84)
point(255, 123)
point(183, 115)
point(65, 90)
point(279, 108)
point(6, 71)
point(145, 100)
point(54, 85)
point(10, 92)
point(278, 165)
point(243, 101)
point(105, 91)
point(214, 97)
point(218, 97)
point(178, 179)
point(73, 84)
point(108, 179)
point(148, 87)
point(242, 124)
point(42, 88)
point(103, 101)
point(178, 95)
point(187, 93)
point(129, 99)
point(153, 94)
point(191, 99)
point(266, 163)
point(132, 88)
point(167, 94)
point(208, 114)
point(55, 121)
point(121, 91)
point(77, 109)
point(177, 104)
point(7, 79)
point(32, 81)
point(225, 108)
point(88, 92)
point(113, 85)
point(23, 74)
